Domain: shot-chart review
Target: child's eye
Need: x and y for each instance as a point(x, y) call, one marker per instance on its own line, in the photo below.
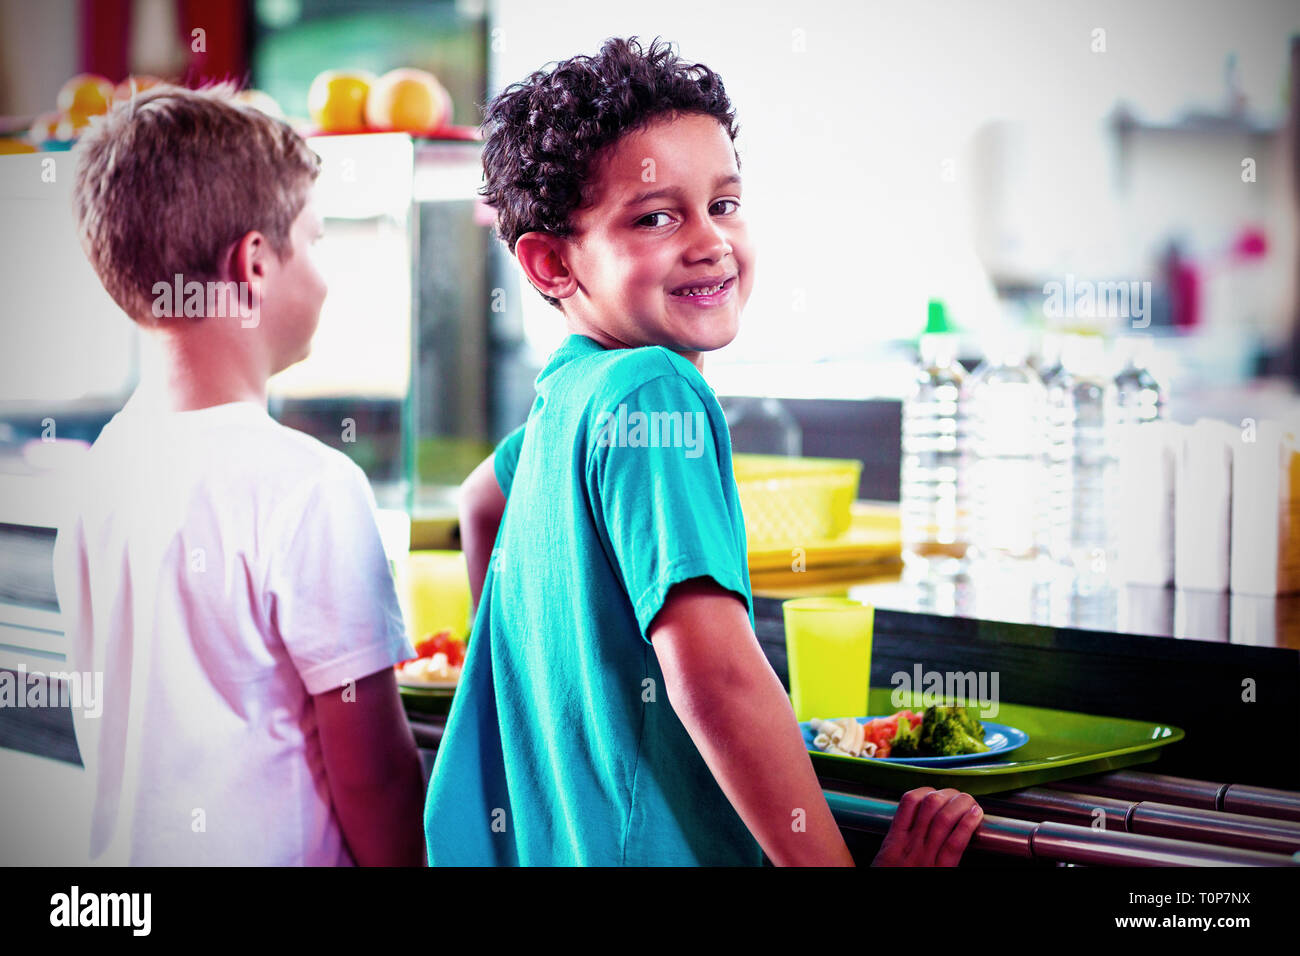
point(649, 220)
point(731, 205)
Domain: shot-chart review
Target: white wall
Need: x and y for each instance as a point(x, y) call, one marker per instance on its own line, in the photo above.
point(842, 142)
point(62, 338)
point(38, 52)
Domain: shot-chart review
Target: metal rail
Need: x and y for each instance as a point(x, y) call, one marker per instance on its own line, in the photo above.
point(1063, 842)
point(1149, 818)
point(1184, 792)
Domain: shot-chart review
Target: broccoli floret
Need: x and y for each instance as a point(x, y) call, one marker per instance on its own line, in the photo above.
point(907, 739)
point(966, 717)
point(947, 731)
point(951, 739)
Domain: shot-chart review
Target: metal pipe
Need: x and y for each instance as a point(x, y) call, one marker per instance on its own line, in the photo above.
point(1123, 784)
point(428, 735)
point(1040, 804)
point(995, 834)
point(1262, 802)
point(1215, 826)
point(1070, 844)
point(1181, 791)
point(1062, 842)
point(1150, 818)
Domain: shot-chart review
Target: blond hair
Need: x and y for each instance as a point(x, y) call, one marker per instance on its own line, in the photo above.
point(168, 181)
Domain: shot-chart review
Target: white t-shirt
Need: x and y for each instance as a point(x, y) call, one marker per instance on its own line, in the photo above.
point(219, 569)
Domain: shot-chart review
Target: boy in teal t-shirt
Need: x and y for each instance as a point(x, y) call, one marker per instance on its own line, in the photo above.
point(615, 707)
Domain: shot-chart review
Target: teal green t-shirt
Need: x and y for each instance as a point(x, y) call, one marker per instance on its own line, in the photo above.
point(562, 747)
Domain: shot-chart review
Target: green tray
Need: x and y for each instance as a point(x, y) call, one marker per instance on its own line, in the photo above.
point(1062, 744)
point(426, 700)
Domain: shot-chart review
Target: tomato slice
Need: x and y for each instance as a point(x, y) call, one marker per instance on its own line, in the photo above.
point(442, 643)
point(455, 653)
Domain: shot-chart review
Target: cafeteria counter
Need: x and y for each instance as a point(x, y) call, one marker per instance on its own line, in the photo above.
point(1237, 702)
point(1239, 761)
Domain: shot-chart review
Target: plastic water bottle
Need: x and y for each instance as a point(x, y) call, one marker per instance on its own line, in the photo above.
point(1144, 469)
point(1058, 450)
point(762, 426)
point(1083, 412)
point(1140, 397)
point(1008, 407)
point(1049, 365)
point(932, 498)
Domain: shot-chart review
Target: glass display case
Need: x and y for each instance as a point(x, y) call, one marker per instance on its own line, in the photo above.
point(399, 378)
point(353, 391)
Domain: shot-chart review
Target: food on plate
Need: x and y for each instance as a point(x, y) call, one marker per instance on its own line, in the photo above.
point(875, 738)
point(844, 736)
point(947, 731)
point(939, 732)
point(439, 659)
point(905, 739)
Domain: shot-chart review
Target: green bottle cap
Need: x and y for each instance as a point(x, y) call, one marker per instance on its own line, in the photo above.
point(937, 319)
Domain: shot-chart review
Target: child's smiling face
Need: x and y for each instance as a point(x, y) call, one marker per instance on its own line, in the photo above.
point(659, 254)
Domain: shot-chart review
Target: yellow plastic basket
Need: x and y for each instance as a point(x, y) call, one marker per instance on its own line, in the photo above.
point(793, 502)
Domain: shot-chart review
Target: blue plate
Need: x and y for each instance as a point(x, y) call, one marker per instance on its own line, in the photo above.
point(999, 738)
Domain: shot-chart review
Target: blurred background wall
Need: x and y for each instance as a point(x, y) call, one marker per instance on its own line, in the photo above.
point(893, 152)
point(974, 153)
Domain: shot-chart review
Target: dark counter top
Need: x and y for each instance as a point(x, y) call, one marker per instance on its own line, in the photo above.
point(1049, 597)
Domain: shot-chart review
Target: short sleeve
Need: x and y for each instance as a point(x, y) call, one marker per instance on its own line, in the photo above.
point(332, 598)
point(660, 497)
point(506, 459)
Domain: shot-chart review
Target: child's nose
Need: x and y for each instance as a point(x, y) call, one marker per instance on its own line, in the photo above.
point(706, 242)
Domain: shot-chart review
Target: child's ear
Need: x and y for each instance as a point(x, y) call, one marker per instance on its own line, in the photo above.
point(247, 261)
point(542, 257)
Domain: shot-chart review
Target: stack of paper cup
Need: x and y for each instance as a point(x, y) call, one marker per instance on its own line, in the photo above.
point(1266, 510)
point(1147, 454)
point(1203, 505)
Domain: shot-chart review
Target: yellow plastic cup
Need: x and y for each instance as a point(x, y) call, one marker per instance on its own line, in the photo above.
point(434, 591)
point(828, 647)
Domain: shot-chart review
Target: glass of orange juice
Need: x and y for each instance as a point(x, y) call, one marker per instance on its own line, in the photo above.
point(828, 647)
point(434, 590)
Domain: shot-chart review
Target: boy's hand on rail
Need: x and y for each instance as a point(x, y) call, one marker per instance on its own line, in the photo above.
point(931, 828)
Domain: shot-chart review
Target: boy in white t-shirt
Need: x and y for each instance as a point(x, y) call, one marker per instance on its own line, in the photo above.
point(225, 573)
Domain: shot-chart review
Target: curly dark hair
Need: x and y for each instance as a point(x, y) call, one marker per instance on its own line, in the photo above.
point(543, 133)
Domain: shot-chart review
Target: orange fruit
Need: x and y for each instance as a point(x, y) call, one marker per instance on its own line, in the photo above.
point(9, 146)
point(85, 95)
point(446, 107)
point(337, 100)
point(133, 85)
point(409, 100)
